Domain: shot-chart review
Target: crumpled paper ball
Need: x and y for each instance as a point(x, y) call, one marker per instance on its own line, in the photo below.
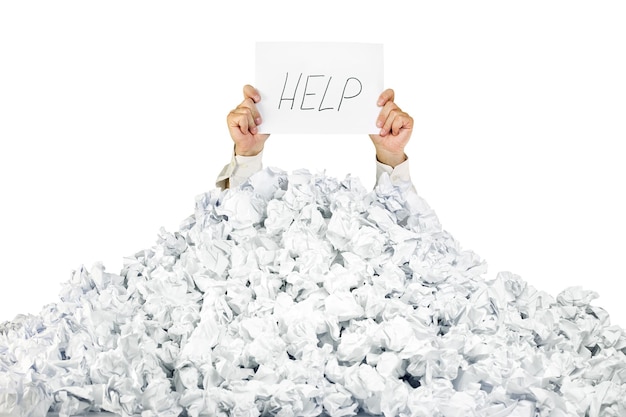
point(304, 295)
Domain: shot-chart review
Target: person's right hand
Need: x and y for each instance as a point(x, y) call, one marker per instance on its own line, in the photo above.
point(243, 124)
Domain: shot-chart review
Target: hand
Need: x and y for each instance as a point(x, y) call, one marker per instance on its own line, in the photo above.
point(395, 126)
point(243, 124)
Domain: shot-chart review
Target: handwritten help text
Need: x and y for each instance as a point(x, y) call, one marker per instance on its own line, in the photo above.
point(314, 94)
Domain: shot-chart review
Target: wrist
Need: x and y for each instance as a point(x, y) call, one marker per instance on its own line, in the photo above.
point(247, 152)
point(392, 159)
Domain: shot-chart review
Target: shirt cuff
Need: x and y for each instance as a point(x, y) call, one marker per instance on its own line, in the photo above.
point(239, 170)
point(398, 175)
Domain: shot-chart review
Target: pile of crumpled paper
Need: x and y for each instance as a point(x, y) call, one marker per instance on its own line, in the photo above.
point(303, 295)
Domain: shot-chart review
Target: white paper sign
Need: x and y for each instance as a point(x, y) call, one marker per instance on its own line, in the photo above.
point(319, 87)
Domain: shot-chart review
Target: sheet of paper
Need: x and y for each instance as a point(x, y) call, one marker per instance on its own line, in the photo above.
point(317, 87)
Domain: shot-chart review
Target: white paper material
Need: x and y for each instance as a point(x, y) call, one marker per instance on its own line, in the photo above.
point(269, 300)
point(319, 87)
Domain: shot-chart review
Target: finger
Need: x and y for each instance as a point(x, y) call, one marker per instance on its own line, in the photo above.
point(241, 118)
point(385, 96)
point(249, 104)
point(401, 121)
point(248, 115)
point(236, 121)
point(393, 113)
point(251, 92)
point(384, 113)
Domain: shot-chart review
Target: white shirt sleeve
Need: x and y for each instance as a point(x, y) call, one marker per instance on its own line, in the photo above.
point(398, 175)
point(239, 170)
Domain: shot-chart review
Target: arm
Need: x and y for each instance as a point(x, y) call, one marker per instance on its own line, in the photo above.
point(399, 174)
point(248, 152)
point(239, 170)
point(396, 127)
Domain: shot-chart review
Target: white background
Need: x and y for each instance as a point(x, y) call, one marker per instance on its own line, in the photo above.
point(112, 120)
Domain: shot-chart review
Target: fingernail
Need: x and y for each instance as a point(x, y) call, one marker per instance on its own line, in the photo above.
point(257, 120)
point(257, 98)
point(382, 132)
point(253, 130)
point(379, 123)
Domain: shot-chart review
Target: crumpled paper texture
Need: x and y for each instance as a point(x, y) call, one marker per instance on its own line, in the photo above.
point(303, 295)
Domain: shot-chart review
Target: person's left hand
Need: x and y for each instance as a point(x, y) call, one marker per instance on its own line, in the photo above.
point(395, 126)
